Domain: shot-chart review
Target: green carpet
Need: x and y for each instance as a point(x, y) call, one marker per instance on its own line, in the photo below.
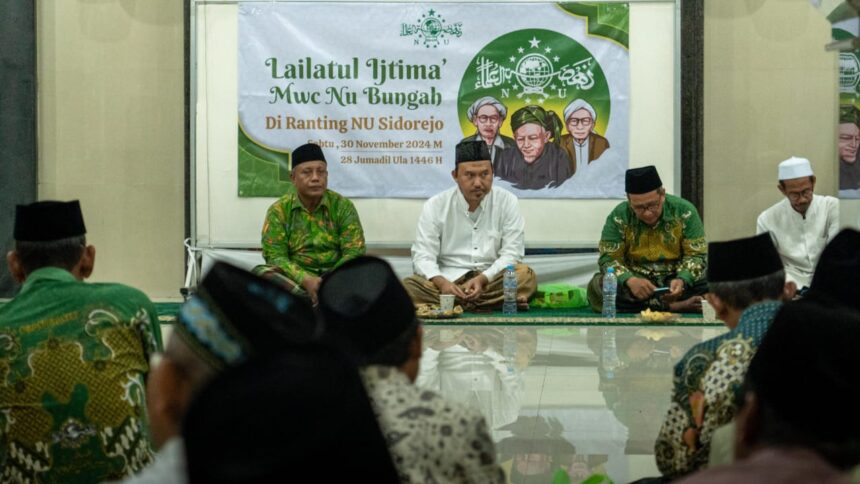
point(533, 317)
point(568, 317)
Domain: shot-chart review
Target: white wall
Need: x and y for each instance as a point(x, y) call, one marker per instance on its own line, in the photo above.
point(111, 131)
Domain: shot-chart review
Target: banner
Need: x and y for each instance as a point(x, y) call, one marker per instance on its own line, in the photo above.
point(849, 114)
point(389, 89)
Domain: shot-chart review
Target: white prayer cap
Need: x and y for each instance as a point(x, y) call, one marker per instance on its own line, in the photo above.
point(473, 109)
point(794, 167)
point(576, 105)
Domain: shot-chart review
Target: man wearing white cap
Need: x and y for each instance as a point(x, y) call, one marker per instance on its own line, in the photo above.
point(488, 114)
point(801, 224)
point(582, 144)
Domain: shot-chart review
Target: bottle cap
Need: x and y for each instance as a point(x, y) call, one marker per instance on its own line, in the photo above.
point(510, 267)
point(610, 270)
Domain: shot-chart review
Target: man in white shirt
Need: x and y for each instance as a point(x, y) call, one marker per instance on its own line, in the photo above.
point(467, 236)
point(801, 224)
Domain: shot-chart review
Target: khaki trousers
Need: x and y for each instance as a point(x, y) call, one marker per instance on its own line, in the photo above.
point(423, 291)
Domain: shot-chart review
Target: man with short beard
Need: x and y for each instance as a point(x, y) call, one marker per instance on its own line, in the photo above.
point(802, 223)
point(467, 236)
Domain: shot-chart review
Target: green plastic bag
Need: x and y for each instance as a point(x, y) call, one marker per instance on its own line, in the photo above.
point(559, 296)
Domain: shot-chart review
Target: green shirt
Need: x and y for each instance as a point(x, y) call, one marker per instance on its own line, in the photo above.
point(302, 243)
point(73, 362)
point(674, 247)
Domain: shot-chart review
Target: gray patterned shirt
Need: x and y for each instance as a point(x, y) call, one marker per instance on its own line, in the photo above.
point(430, 440)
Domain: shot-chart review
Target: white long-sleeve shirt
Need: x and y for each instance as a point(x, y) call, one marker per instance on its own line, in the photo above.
point(451, 241)
point(798, 239)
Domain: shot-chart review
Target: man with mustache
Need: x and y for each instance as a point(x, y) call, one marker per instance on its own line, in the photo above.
point(310, 230)
point(652, 240)
point(488, 114)
point(467, 236)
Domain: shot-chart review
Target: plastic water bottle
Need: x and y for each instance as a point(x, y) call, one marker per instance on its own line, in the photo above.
point(609, 354)
point(509, 283)
point(610, 289)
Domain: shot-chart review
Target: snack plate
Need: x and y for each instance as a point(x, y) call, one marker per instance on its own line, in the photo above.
point(431, 311)
point(649, 316)
point(438, 314)
point(665, 319)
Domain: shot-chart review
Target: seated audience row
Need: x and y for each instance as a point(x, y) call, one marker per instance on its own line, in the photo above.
point(468, 234)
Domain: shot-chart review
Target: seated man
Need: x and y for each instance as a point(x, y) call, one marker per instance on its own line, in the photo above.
point(652, 240)
point(467, 236)
point(280, 419)
point(582, 144)
point(787, 430)
point(747, 284)
point(802, 223)
point(73, 358)
point(537, 162)
point(488, 114)
point(840, 258)
point(310, 230)
point(234, 315)
point(365, 308)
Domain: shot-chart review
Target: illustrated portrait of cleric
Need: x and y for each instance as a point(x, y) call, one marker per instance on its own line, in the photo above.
point(849, 142)
point(582, 144)
point(538, 162)
point(488, 114)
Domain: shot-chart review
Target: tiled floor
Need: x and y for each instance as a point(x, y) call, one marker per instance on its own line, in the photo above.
point(556, 397)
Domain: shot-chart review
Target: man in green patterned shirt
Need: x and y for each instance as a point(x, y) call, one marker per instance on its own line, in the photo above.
point(653, 241)
point(310, 230)
point(73, 359)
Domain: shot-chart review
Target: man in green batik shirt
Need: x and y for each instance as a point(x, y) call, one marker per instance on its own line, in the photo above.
point(653, 241)
point(310, 230)
point(73, 359)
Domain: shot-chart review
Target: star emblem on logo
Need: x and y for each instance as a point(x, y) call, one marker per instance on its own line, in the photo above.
point(431, 30)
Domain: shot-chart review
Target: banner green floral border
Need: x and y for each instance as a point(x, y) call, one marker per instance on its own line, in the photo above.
point(608, 20)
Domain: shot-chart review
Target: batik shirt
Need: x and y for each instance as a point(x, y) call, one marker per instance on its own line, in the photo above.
point(708, 386)
point(302, 243)
point(73, 362)
point(674, 247)
point(429, 439)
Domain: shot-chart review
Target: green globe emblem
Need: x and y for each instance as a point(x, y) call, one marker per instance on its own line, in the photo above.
point(849, 72)
point(432, 27)
point(534, 71)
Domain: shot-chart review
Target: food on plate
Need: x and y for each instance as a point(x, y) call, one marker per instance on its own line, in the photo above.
point(658, 316)
point(433, 311)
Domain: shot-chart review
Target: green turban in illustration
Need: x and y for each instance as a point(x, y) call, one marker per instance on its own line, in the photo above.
point(848, 113)
point(538, 115)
